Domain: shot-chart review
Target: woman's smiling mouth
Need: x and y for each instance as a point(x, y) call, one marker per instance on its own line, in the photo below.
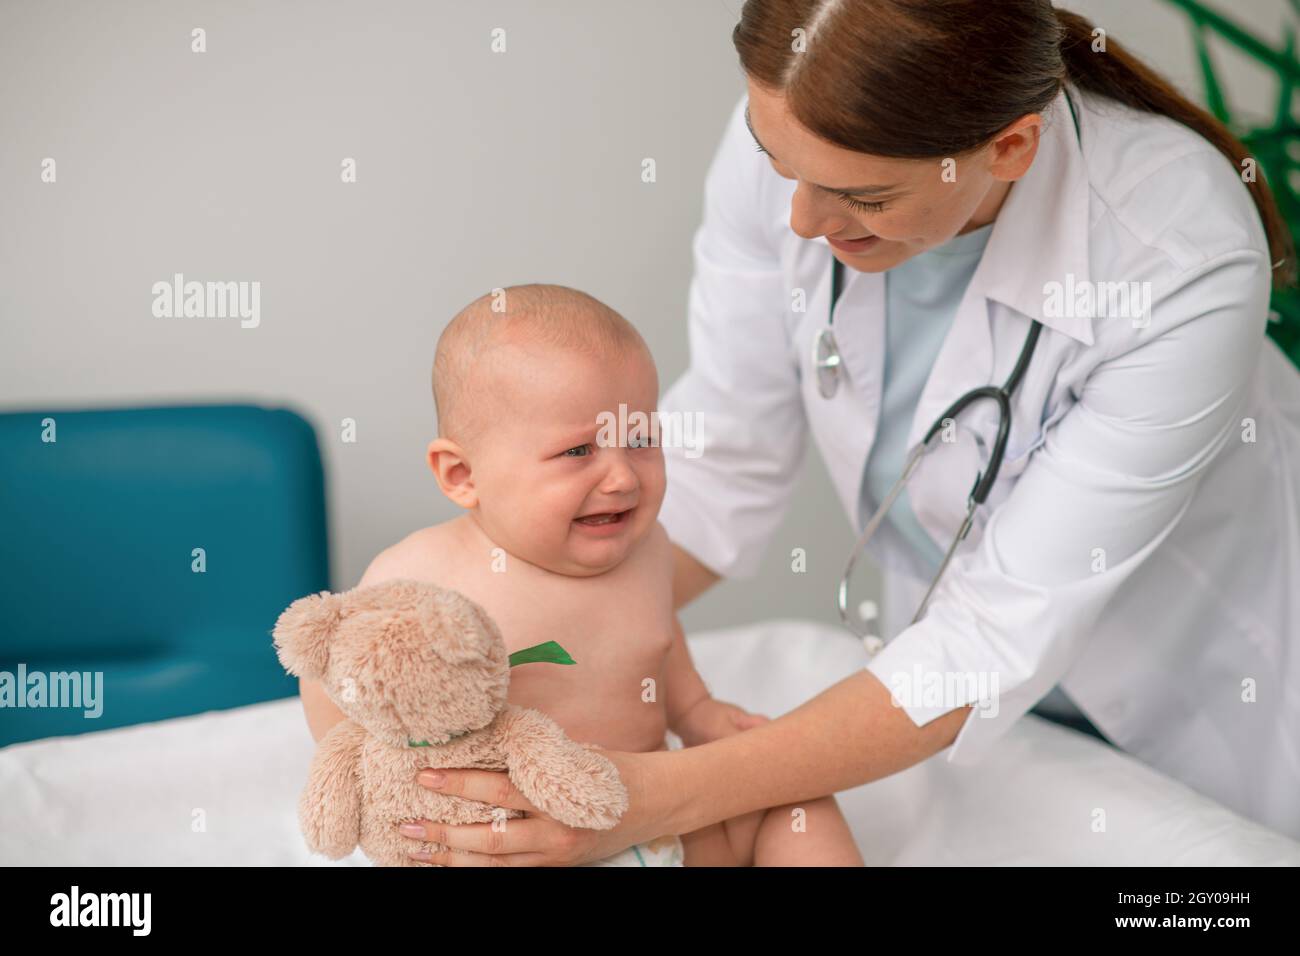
point(854, 245)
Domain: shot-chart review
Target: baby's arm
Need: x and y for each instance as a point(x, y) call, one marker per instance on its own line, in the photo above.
point(685, 687)
point(321, 712)
point(693, 713)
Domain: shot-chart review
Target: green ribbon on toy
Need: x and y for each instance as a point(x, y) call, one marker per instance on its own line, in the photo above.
point(425, 743)
point(548, 653)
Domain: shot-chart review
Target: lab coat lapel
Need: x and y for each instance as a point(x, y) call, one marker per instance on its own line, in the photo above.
point(845, 425)
point(1041, 233)
point(1040, 236)
point(860, 319)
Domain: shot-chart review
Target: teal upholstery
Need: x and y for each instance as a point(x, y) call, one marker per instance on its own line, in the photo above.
point(98, 531)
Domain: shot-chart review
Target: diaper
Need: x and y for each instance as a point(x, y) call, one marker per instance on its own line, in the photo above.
point(661, 851)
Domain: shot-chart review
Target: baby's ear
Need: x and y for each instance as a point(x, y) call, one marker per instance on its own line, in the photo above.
point(302, 634)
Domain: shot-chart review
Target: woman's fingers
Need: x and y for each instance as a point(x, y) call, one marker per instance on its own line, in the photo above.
point(537, 839)
point(530, 840)
point(492, 787)
point(453, 858)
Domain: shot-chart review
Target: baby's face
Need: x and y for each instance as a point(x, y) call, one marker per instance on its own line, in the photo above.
point(550, 488)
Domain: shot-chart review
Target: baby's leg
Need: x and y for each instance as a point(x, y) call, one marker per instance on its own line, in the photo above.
point(730, 843)
point(709, 846)
point(808, 833)
point(817, 835)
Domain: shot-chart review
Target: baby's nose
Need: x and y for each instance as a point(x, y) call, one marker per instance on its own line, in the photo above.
point(619, 472)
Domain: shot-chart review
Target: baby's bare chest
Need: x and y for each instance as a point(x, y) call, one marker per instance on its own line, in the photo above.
point(617, 626)
point(615, 634)
point(613, 695)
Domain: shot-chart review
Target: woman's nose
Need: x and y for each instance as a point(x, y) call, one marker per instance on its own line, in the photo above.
point(813, 215)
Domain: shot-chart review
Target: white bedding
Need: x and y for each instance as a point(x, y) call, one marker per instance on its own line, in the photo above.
point(221, 788)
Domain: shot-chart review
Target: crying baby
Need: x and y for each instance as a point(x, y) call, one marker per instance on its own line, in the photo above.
point(559, 539)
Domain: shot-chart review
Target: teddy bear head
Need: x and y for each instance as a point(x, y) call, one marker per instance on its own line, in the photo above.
point(411, 662)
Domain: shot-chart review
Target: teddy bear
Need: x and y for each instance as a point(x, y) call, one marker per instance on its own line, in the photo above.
point(421, 673)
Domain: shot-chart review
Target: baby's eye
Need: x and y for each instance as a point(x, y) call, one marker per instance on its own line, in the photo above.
point(578, 448)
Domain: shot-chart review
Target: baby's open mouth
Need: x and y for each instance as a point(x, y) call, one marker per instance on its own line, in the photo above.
point(603, 517)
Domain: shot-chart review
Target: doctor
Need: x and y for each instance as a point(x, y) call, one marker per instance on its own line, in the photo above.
point(978, 171)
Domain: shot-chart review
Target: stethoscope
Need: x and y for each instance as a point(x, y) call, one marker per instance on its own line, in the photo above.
point(829, 370)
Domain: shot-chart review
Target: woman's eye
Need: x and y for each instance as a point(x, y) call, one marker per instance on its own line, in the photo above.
point(861, 206)
point(780, 170)
point(577, 448)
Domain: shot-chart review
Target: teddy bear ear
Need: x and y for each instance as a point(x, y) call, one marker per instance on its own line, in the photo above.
point(302, 634)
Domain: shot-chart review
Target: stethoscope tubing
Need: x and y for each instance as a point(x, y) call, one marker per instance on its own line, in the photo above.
point(832, 364)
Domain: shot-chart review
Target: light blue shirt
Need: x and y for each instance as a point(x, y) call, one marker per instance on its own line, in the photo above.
point(921, 299)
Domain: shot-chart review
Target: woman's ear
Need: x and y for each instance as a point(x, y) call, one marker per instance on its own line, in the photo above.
point(303, 631)
point(1015, 147)
point(451, 468)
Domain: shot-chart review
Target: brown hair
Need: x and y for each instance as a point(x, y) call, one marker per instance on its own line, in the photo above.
point(928, 78)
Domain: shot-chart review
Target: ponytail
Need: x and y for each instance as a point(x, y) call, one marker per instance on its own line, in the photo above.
point(1119, 75)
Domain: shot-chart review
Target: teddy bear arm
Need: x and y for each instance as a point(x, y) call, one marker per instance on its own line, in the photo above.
point(329, 811)
point(563, 779)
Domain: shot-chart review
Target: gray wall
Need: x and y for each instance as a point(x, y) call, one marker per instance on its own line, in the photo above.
point(475, 170)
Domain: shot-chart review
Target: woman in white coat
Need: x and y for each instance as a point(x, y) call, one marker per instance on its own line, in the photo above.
point(1140, 546)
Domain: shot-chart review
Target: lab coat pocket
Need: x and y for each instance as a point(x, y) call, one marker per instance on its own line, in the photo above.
point(1017, 459)
point(1026, 437)
point(1008, 475)
point(1023, 442)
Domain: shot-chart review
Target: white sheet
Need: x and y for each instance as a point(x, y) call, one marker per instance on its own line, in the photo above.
point(221, 788)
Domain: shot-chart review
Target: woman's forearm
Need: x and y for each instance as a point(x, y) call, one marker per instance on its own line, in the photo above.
point(846, 736)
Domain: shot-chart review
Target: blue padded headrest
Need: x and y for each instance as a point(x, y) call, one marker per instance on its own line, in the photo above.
point(98, 536)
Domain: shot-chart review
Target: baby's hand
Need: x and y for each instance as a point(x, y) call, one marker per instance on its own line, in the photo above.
point(712, 719)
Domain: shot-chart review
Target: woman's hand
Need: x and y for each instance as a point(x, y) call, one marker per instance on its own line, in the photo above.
point(711, 720)
point(537, 839)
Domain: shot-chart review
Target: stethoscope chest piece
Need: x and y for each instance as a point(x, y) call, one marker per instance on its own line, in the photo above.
point(826, 362)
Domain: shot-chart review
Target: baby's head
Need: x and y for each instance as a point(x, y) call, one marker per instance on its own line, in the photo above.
point(525, 381)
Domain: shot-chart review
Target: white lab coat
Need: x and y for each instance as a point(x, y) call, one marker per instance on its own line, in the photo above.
point(1138, 547)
